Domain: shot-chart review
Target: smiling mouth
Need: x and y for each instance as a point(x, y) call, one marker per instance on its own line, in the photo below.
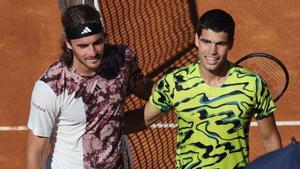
point(95, 58)
point(211, 60)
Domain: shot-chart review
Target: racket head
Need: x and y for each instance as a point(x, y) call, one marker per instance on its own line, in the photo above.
point(271, 69)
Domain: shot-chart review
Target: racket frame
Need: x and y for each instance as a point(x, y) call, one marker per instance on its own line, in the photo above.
point(276, 60)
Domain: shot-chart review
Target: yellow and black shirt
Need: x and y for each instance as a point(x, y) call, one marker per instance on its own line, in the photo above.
point(213, 122)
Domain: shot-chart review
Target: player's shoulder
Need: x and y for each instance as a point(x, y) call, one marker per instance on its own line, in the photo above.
point(243, 72)
point(54, 76)
point(54, 69)
point(187, 69)
point(181, 73)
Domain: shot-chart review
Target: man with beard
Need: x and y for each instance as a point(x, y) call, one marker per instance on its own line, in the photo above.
point(78, 104)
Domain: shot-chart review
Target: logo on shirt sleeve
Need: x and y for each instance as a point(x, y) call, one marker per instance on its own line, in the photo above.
point(38, 107)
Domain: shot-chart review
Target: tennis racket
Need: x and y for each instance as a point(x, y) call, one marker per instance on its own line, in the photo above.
point(271, 69)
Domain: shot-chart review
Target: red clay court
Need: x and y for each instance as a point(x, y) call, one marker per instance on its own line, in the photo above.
point(30, 33)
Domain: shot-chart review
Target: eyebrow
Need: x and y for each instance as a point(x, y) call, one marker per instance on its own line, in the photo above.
point(219, 42)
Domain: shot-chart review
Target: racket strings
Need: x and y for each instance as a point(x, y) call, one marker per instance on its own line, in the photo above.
point(271, 72)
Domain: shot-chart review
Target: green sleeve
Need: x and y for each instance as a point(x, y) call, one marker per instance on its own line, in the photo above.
point(162, 96)
point(264, 104)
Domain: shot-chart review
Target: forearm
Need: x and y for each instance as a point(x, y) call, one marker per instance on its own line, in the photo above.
point(142, 118)
point(134, 120)
point(36, 147)
point(272, 142)
point(34, 162)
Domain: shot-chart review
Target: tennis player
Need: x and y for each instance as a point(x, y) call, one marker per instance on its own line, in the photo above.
point(214, 101)
point(77, 105)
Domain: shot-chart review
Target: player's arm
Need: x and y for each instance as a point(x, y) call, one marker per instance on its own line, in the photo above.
point(134, 119)
point(36, 147)
point(43, 112)
point(140, 86)
point(269, 133)
point(151, 114)
point(142, 118)
point(143, 88)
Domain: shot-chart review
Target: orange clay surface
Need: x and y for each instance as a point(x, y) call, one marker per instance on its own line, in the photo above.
point(29, 41)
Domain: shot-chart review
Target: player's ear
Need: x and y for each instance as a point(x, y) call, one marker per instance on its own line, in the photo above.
point(231, 42)
point(196, 39)
point(105, 38)
point(68, 43)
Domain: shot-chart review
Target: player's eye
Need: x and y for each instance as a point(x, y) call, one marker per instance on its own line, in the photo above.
point(100, 41)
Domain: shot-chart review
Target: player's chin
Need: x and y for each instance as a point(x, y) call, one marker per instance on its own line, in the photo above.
point(212, 67)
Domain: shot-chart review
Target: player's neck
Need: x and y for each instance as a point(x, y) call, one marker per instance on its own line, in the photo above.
point(215, 78)
point(84, 71)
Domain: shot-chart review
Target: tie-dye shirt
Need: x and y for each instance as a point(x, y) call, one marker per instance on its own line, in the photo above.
point(213, 122)
point(83, 115)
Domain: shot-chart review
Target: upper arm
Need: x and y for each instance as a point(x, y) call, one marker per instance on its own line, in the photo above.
point(151, 114)
point(138, 84)
point(160, 102)
point(43, 110)
point(267, 126)
point(264, 104)
point(264, 108)
point(269, 133)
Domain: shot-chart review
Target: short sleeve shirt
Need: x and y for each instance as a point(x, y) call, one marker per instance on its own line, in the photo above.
point(213, 122)
point(83, 115)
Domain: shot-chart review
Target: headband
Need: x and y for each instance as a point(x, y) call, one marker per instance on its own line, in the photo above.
point(83, 30)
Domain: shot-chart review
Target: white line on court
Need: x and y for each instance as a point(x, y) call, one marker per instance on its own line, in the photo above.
point(278, 123)
point(13, 128)
point(157, 125)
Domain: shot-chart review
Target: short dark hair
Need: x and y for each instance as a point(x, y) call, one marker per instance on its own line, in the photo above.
point(72, 17)
point(218, 21)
